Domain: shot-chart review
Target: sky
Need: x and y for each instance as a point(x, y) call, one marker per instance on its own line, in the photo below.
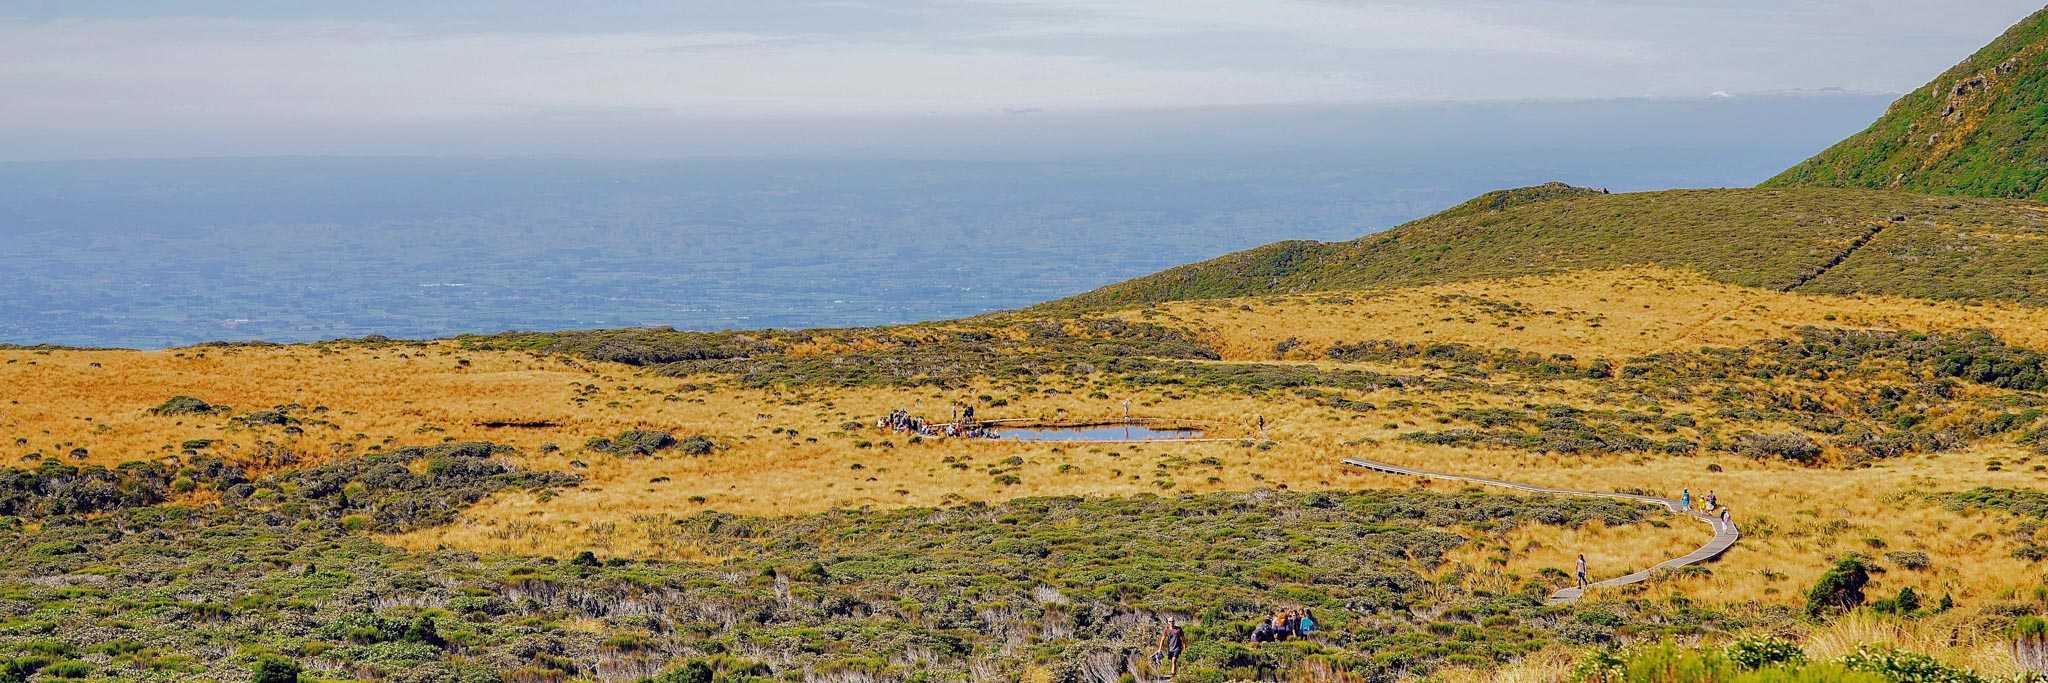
point(108, 78)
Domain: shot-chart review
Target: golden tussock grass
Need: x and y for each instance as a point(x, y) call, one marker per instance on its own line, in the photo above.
point(1549, 665)
point(786, 451)
point(1796, 521)
point(1958, 638)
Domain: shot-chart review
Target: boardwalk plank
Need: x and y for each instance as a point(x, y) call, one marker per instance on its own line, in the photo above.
point(1725, 533)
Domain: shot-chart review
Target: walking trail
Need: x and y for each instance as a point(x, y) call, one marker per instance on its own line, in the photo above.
point(1725, 533)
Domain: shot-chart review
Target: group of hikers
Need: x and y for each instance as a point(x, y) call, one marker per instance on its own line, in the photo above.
point(1709, 504)
point(1284, 625)
point(1291, 624)
point(902, 421)
point(1712, 504)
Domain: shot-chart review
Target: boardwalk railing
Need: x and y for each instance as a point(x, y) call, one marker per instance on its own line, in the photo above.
point(1725, 532)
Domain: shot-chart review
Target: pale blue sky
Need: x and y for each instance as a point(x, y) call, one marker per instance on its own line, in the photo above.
point(198, 77)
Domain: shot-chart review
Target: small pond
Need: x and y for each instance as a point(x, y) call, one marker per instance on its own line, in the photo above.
point(1125, 432)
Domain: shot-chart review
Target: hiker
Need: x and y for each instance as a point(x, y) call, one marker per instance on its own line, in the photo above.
point(1725, 513)
point(1294, 623)
point(1171, 640)
point(1712, 502)
point(1280, 629)
point(1263, 633)
point(1582, 570)
point(968, 415)
point(1686, 499)
point(1308, 624)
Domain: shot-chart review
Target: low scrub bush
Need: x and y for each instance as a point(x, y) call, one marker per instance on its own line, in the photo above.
point(184, 405)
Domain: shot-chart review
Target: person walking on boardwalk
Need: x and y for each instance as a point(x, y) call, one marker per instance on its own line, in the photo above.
point(1582, 570)
point(1685, 499)
point(1713, 503)
point(1171, 641)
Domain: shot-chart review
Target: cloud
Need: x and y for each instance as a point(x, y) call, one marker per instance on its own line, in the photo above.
point(226, 70)
point(1447, 27)
point(397, 65)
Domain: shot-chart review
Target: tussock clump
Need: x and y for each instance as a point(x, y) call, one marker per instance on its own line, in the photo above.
point(185, 405)
point(1791, 446)
point(634, 442)
point(697, 445)
point(2023, 502)
point(638, 346)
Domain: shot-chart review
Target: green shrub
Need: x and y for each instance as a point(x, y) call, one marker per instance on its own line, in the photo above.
point(1906, 667)
point(70, 668)
point(633, 442)
point(183, 405)
point(274, 669)
point(1840, 588)
point(1757, 653)
point(1667, 663)
point(697, 445)
point(693, 672)
point(20, 669)
point(1790, 446)
point(1907, 603)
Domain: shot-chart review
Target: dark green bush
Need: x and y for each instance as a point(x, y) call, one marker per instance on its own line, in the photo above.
point(697, 445)
point(1757, 653)
point(1840, 588)
point(274, 669)
point(183, 405)
point(1791, 446)
point(634, 442)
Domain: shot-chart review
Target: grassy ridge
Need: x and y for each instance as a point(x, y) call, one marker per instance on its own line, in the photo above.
point(1971, 131)
point(1939, 247)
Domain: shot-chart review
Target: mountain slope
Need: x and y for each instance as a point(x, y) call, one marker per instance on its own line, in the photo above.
point(1972, 131)
point(1813, 239)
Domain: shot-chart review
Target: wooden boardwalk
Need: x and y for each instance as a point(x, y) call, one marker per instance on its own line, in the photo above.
point(1725, 533)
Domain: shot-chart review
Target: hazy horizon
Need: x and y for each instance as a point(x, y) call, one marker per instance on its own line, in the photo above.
point(846, 78)
point(171, 252)
point(295, 171)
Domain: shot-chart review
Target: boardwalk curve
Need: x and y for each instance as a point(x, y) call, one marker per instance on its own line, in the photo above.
point(1725, 533)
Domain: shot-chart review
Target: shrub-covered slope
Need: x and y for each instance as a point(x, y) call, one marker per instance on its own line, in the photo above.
point(272, 577)
point(1972, 131)
point(1814, 239)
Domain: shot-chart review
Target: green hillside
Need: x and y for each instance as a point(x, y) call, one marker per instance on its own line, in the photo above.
point(1920, 204)
point(1971, 132)
point(1810, 239)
